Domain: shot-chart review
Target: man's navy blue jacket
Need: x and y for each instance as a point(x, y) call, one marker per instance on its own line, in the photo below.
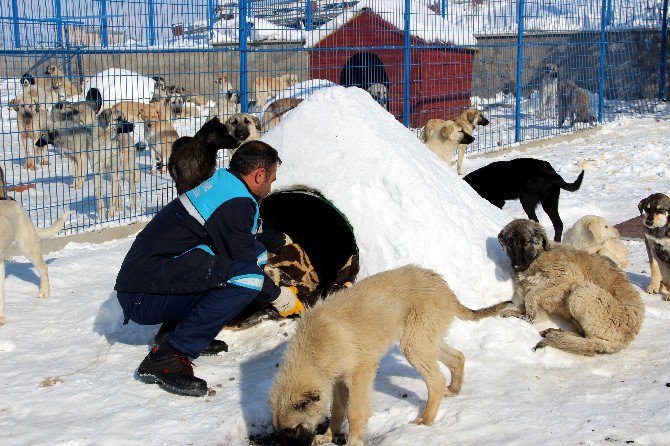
point(189, 244)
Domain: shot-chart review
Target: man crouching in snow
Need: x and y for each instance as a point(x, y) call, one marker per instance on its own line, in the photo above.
point(197, 265)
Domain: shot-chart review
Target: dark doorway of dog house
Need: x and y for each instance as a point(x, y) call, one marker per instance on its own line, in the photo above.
point(364, 70)
point(322, 231)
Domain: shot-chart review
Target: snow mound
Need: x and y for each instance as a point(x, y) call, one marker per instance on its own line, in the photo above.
point(404, 204)
point(117, 85)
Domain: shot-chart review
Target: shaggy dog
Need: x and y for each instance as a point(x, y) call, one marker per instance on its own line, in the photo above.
point(16, 226)
point(276, 110)
point(332, 360)
point(655, 210)
point(594, 235)
point(529, 180)
point(548, 91)
point(585, 289)
point(573, 104)
point(468, 120)
point(379, 93)
point(443, 137)
point(193, 158)
point(266, 87)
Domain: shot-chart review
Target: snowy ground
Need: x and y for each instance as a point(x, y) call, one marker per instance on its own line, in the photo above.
point(68, 368)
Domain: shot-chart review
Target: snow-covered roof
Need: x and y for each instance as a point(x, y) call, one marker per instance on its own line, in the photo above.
point(424, 23)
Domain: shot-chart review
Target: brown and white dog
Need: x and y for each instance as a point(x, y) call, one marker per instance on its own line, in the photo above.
point(66, 88)
point(160, 135)
point(443, 137)
point(244, 127)
point(573, 104)
point(655, 210)
point(275, 111)
point(468, 120)
point(32, 121)
point(266, 87)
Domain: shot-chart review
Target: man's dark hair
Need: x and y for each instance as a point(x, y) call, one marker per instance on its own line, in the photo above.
point(252, 155)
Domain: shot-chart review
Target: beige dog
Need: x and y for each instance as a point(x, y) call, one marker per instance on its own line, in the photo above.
point(266, 87)
point(66, 88)
point(275, 111)
point(45, 89)
point(16, 226)
point(594, 235)
point(443, 137)
point(227, 99)
point(585, 289)
point(160, 135)
point(332, 360)
point(468, 120)
point(129, 109)
point(32, 121)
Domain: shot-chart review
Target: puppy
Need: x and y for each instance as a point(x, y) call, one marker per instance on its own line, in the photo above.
point(67, 88)
point(159, 89)
point(585, 289)
point(443, 137)
point(275, 111)
point(179, 106)
point(529, 180)
point(16, 226)
point(43, 88)
point(32, 120)
point(468, 120)
point(193, 159)
point(655, 210)
point(245, 127)
point(129, 109)
point(548, 91)
point(266, 87)
point(160, 135)
point(573, 104)
point(332, 360)
point(379, 93)
point(594, 235)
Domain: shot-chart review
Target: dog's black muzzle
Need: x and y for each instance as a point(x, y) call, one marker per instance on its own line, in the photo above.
point(46, 140)
point(466, 139)
point(241, 133)
point(483, 121)
point(297, 436)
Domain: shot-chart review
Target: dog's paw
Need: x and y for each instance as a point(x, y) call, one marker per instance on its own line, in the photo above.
point(422, 421)
point(355, 442)
point(654, 288)
point(665, 297)
point(542, 344)
point(2, 320)
point(30, 164)
point(544, 333)
point(45, 162)
point(43, 294)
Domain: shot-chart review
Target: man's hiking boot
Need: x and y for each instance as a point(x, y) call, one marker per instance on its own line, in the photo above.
point(213, 349)
point(172, 370)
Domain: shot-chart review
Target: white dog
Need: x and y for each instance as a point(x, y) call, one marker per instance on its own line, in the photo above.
point(594, 235)
point(16, 226)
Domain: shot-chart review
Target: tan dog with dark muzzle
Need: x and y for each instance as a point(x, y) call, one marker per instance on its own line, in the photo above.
point(443, 137)
point(655, 210)
point(332, 360)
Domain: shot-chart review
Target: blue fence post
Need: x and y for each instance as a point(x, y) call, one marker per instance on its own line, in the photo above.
point(601, 70)
point(151, 13)
point(664, 45)
point(59, 23)
point(244, 65)
point(407, 60)
point(15, 19)
point(210, 10)
point(443, 8)
point(308, 15)
point(104, 37)
point(521, 14)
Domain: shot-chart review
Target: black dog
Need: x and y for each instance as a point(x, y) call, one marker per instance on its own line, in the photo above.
point(529, 180)
point(193, 158)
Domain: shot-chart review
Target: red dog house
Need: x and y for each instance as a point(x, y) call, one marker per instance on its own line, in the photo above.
point(357, 53)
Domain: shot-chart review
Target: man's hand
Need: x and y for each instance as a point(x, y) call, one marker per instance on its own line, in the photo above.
point(287, 303)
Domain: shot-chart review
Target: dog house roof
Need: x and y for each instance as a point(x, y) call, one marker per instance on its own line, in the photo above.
point(424, 23)
point(404, 204)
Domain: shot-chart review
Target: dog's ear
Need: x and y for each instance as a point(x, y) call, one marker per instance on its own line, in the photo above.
point(14, 104)
point(257, 122)
point(641, 204)
point(306, 399)
point(539, 232)
point(501, 239)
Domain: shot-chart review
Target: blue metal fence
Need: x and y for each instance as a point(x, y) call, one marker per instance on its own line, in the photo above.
point(432, 58)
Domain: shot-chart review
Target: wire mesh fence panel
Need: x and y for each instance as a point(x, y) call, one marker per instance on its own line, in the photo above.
point(94, 93)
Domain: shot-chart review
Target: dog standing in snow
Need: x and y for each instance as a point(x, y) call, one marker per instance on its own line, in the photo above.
point(16, 226)
point(548, 92)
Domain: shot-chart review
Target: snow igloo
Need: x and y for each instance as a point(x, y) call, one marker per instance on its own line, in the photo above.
point(354, 180)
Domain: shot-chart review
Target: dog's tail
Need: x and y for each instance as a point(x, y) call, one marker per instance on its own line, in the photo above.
point(466, 314)
point(571, 187)
point(44, 233)
point(94, 96)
